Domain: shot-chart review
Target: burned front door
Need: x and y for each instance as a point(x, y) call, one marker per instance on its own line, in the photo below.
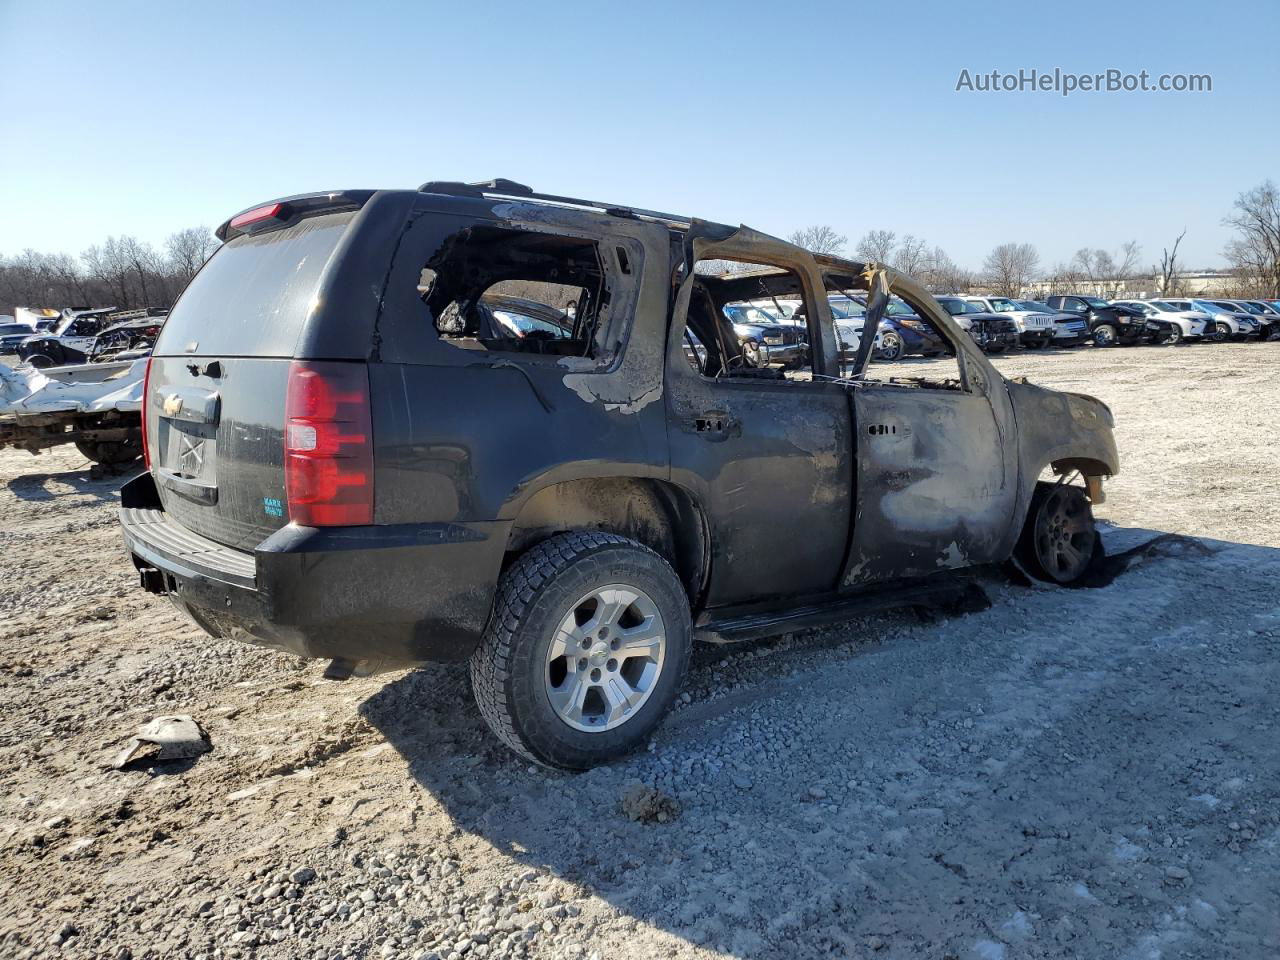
point(936, 476)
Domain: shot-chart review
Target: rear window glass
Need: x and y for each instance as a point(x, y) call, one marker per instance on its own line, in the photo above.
point(252, 297)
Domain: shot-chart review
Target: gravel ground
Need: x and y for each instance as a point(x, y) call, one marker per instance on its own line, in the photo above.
point(1073, 773)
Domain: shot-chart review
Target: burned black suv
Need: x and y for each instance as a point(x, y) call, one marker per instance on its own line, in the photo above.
point(365, 445)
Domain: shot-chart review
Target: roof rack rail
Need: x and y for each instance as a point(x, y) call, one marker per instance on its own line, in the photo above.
point(501, 187)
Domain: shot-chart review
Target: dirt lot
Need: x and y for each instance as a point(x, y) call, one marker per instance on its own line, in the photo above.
point(1073, 773)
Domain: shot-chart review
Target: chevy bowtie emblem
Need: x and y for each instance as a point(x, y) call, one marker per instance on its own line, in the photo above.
point(172, 405)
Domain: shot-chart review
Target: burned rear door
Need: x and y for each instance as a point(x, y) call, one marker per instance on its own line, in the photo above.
point(770, 459)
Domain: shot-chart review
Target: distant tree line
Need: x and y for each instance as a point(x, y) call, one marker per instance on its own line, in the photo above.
point(1252, 255)
point(129, 273)
point(121, 272)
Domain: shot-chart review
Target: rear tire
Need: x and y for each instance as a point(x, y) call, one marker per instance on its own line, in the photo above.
point(110, 452)
point(1171, 337)
point(1058, 540)
point(40, 361)
point(555, 597)
point(1219, 333)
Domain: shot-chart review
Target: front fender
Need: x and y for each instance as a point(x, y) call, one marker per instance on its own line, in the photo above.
point(1067, 431)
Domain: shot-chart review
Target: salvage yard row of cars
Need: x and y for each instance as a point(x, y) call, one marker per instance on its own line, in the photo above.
point(771, 331)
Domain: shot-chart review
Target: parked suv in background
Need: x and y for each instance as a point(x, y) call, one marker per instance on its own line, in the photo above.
point(1180, 324)
point(768, 334)
point(902, 332)
point(1069, 329)
point(1268, 322)
point(1230, 323)
point(992, 332)
point(1224, 324)
point(382, 480)
point(1035, 326)
point(1109, 325)
point(1270, 314)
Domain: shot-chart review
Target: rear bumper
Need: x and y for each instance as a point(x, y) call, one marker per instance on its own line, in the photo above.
point(383, 597)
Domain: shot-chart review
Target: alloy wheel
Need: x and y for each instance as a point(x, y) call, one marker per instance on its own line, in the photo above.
point(890, 346)
point(605, 658)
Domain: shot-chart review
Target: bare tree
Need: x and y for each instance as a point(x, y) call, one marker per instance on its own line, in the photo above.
point(876, 246)
point(142, 261)
point(910, 255)
point(188, 250)
point(122, 272)
point(1169, 267)
point(940, 274)
point(1105, 272)
point(819, 238)
point(1010, 267)
point(1254, 253)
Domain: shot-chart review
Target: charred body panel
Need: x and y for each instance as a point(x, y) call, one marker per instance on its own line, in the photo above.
point(770, 461)
point(1062, 432)
point(936, 485)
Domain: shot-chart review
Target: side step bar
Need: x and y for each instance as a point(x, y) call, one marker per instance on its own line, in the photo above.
point(953, 595)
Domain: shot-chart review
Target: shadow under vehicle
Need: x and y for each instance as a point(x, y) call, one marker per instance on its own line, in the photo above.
point(392, 479)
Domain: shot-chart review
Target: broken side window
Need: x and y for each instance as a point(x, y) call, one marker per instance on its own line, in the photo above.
point(507, 290)
point(908, 349)
point(748, 320)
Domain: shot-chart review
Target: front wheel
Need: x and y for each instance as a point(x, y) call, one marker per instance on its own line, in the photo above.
point(1104, 335)
point(891, 346)
point(1059, 538)
point(585, 651)
point(1219, 333)
point(40, 361)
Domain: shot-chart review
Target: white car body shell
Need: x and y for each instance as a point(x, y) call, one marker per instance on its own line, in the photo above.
point(83, 388)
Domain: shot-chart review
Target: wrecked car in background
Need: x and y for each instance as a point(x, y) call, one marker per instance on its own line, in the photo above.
point(389, 480)
point(990, 331)
point(92, 337)
point(94, 406)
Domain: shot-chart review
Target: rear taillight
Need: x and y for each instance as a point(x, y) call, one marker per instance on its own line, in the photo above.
point(328, 444)
point(146, 393)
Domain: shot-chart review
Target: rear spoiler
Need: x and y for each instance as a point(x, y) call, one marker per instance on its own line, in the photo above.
point(275, 214)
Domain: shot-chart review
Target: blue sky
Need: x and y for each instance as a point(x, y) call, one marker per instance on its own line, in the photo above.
point(141, 118)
